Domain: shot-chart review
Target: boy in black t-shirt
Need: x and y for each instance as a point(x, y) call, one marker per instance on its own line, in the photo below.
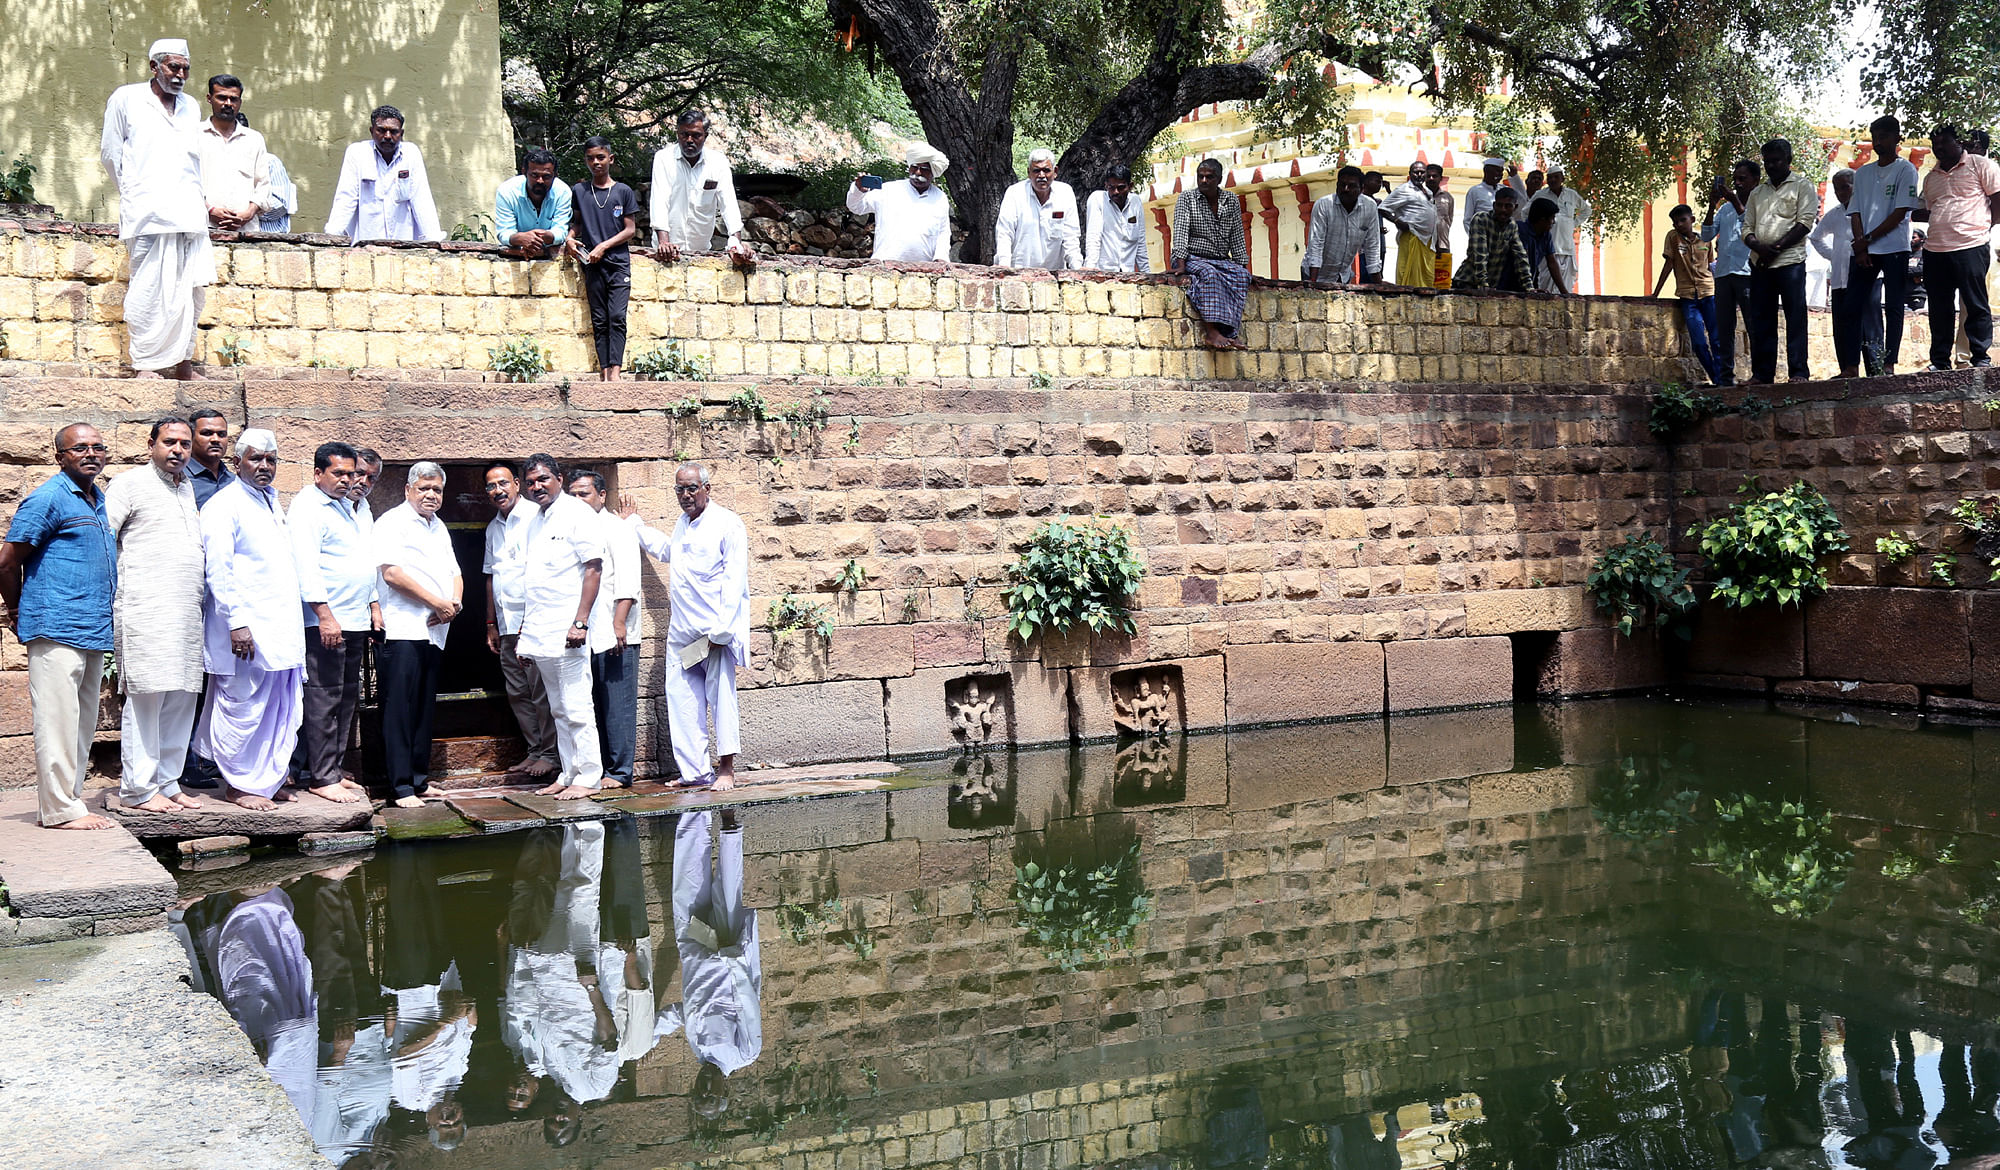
point(606, 220)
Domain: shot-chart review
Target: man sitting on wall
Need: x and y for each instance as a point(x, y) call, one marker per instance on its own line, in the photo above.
point(531, 211)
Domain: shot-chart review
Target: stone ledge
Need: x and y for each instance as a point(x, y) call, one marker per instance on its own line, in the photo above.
point(75, 875)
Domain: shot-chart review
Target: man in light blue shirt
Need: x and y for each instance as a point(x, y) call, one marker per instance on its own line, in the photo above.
point(337, 589)
point(532, 211)
point(1732, 260)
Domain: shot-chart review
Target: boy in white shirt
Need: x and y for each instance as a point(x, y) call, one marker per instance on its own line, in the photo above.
point(1885, 192)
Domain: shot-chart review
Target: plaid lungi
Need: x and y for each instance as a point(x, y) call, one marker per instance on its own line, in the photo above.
point(1218, 289)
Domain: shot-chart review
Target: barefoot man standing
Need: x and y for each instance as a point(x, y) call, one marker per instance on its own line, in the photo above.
point(255, 645)
point(151, 510)
point(58, 574)
point(565, 569)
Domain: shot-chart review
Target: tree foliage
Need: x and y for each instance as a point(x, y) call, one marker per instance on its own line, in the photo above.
point(1939, 62)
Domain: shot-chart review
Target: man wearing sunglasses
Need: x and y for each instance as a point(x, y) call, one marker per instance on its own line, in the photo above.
point(152, 148)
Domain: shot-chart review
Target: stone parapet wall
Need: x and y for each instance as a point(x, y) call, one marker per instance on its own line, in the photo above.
point(306, 301)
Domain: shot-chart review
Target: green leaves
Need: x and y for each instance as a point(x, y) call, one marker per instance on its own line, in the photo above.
point(520, 359)
point(1072, 574)
point(1080, 915)
point(1781, 852)
point(1637, 582)
point(1769, 548)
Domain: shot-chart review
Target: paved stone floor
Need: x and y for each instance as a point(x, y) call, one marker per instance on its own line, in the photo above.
point(109, 1060)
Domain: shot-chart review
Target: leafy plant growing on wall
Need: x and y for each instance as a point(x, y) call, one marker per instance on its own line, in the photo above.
point(17, 182)
point(520, 359)
point(670, 362)
point(791, 612)
point(1079, 913)
point(1780, 852)
point(1981, 518)
point(1769, 547)
point(1072, 574)
point(1637, 581)
point(1677, 409)
point(748, 403)
point(1895, 547)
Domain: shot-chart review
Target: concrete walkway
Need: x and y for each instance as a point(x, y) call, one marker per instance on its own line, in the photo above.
point(108, 1059)
point(73, 884)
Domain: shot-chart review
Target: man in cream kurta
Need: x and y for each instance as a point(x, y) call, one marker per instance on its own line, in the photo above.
point(912, 218)
point(152, 148)
point(708, 628)
point(693, 190)
point(235, 169)
point(384, 192)
point(157, 616)
point(1115, 226)
point(254, 644)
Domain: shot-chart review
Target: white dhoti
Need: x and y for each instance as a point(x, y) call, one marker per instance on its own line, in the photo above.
point(566, 679)
point(694, 695)
point(1568, 266)
point(251, 725)
point(164, 294)
point(153, 740)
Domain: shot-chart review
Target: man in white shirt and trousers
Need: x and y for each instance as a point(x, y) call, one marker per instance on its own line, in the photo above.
point(235, 168)
point(157, 616)
point(254, 645)
point(565, 556)
point(614, 671)
point(335, 558)
point(421, 593)
point(1038, 225)
point(708, 627)
point(1572, 214)
point(1115, 226)
point(506, 571)
point(384, 193)
point(152, 148)
point(912, 218)
point(693, 189)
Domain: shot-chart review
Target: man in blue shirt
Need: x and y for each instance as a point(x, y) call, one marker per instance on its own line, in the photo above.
point(1724, 225)
point(532, 211)
point(58, 575)
point(208, 467)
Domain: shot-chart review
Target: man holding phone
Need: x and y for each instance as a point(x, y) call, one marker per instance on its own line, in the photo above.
point(912, 218)
point(1724, 225)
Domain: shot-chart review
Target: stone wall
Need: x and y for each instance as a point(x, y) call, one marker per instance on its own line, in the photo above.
point(296, 302)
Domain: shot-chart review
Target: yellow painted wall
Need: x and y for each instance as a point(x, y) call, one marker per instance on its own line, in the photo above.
point(312, 70)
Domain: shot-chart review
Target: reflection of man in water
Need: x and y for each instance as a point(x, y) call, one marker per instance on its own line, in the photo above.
point(430, 1019)
point(351, 1092)
point(1883, 1094)
point(722, 962)
point(1966, 1124)
point(250, 955)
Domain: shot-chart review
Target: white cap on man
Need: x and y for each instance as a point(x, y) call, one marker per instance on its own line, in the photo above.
point(167, 47)
point(1495, 162)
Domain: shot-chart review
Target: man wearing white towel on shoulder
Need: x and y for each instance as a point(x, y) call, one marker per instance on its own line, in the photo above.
point(152, 148)
point(708, 628)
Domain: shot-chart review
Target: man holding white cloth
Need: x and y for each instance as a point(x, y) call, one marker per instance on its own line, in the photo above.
point(565, 556)
point(152, 148)
point(708, 629)
point(912, 218)
point(421, 592)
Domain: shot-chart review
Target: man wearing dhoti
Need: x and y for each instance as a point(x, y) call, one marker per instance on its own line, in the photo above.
point(565, 568)
point(151, 510)
point(708, 627)
point(152, 147)
point(1208, 246)
point(254, 643)
point(722, 961)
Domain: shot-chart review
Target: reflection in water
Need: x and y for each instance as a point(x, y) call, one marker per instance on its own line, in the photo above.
point(1362, 945)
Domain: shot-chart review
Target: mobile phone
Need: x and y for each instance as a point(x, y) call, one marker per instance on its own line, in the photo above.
point(871, 182)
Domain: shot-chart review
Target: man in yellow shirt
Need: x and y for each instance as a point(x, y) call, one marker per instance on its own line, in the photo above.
point(1780, 214)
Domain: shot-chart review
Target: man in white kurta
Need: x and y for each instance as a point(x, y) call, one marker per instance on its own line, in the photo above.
point(1115, 227)
point(506, 571)
point(254, 645)
point(912, 217)
point(565, 568)
point(1038, 226)
point(152, 148)
point(157, 616)
point(693, 190)
point(614, 670)
point(235, 168)
point(384, 193)
point(708, 627)
point(722, 960)
point(1572, 216)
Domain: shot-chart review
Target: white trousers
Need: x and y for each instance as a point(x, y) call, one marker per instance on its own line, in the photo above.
point(153, 742)
point(164, 294)
point(1568, 266)
point(63, 688)
point(566, 679)
point(694, 695)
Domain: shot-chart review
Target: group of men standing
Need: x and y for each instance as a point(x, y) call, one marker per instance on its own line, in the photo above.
point(282, 604)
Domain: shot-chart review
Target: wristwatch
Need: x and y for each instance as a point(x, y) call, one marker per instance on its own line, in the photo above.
point(579, 625)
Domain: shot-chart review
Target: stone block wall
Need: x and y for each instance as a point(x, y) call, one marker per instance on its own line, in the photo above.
point(307, 301)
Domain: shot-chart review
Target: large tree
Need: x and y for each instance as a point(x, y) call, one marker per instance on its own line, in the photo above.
point(1940, 62)
point(1630, 86)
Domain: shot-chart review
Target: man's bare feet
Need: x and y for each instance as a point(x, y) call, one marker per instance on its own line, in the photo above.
point(147, 374)
point(551, 789)
point(87, 821)
point(158, 802)
point(534, 769)
point(409, 802)
point(573, 792)
point(350, 781)
point(337, 793)
point(723, 783)
point(285, 795)
point(249, 800)
point(183, 800)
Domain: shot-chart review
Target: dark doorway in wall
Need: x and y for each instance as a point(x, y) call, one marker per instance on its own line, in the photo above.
point(1534, 664)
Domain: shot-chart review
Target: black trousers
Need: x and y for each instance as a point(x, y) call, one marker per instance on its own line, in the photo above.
point(332, 692)
point(1959, 278)
point(1769, 287)
point(609, 291)
point(1732, 297)
point(409, 678)
point(614, 692)
point(1890, 273)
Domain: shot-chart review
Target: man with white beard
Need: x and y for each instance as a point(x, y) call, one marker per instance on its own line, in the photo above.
point(152, 148)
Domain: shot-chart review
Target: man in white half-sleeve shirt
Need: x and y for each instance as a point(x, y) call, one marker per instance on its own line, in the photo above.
point(384, 192)
point(253, 644)
point(421, 593)
point(506, 600)
point(912, 217)
point(152, 148)
point(336, 565)
point(693, 190)
point(722, 959)
point(708, 629)
point(1115, 226)
point(565, 569)
point(1038, 225)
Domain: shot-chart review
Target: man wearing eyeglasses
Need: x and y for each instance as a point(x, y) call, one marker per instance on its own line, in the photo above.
point(58, 576)
point(152, 148)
